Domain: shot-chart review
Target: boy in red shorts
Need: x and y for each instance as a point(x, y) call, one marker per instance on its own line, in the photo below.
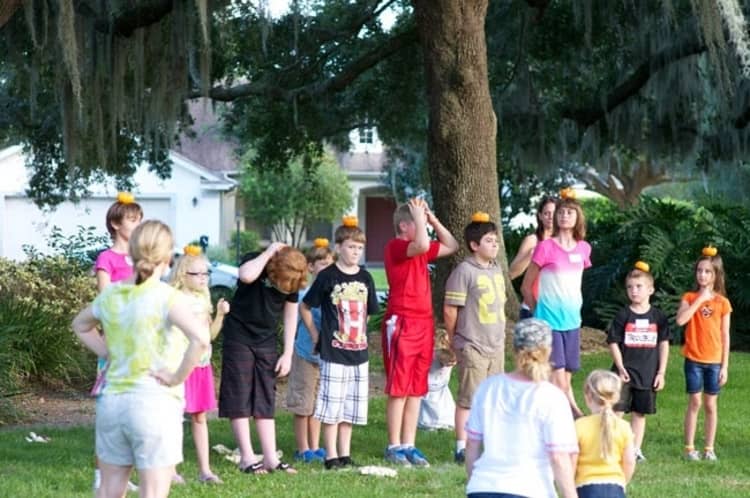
point(408, 326)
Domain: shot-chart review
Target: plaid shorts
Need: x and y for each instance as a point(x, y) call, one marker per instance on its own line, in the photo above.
point(343, 393)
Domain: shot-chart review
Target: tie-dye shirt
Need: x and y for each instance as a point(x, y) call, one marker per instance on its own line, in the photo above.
point(139, 337)
point(560, 274)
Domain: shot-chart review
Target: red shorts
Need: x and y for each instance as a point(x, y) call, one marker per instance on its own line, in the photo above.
point(407, 354)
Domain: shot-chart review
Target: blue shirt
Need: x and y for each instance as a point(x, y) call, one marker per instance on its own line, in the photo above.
point(303, 344)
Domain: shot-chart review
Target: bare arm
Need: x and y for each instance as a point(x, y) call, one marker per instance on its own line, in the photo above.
point(473, 450)
point(614, 350)
point(628, 462)
point(102, 280)
point(249, 271)
point(198, 338)
point(291, 314)
point(661, 372)
point(450, 317)
point(686, 311)
point(724, 372)
point(448, 243)
point(421, 242)
point(305, 314)
point(222, 308)
point(523, 257)
point(84, 326)
point(527, 287)
point(562, 468)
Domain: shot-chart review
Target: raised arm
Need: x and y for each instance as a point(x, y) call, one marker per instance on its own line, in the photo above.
point(686, 311)
point(250, 270)
point(222, 308)
point(523, 257)
point(448, 243)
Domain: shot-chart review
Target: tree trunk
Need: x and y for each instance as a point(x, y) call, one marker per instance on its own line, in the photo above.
point(462, 124)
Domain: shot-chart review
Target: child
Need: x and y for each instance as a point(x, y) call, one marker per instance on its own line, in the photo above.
point(606, 459)
point(267, 290)
point(114, 265)
point(559, 262)
point(304, 378)
point(705, 313)
point(437, 410)
point(408, 327)
point(475, 318)
point(190, 275)
point(346, 295)
point(139, 413)
point(638, 339)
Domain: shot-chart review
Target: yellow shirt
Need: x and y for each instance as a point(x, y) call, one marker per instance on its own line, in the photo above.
point(592, 469)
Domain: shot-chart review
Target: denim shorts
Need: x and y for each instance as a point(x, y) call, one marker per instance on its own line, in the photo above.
point(566, 350)
point(702, 377)
point(601, 491)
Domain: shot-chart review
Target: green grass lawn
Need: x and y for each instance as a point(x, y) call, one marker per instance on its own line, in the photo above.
point(378, 275)
point(63, 468)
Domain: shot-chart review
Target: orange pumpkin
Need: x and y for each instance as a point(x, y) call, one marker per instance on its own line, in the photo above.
point(191, 250)
point(480, 217)
point(125, 198)
point(320, 242)
point(350, 220)
point(710, 251)
point(567, 193)
point(643, 266)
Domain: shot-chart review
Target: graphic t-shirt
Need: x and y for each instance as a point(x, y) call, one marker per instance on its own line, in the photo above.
point(119, 266)
point(255, 311)
point(638, 336)
point(703, 330)
point(560, 275)
point(409, 289)
point(345, 303)
point(139, 337)
point(479, 293)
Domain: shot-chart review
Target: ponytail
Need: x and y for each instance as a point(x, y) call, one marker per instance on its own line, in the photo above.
point(534, 363)
point(603, 388)
point(150, 245)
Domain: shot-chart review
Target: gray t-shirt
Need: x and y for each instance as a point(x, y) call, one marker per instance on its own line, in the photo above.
point(479, 293)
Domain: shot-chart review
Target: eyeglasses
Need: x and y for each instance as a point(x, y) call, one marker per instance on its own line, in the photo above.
point(198, 273)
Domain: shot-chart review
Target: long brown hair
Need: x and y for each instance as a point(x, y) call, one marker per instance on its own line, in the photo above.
point(718, 265)
point(579, 230)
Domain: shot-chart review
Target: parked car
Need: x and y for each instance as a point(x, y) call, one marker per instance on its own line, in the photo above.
point(223, 280)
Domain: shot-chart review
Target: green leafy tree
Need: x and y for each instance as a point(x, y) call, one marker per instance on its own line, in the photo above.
point(313, 188)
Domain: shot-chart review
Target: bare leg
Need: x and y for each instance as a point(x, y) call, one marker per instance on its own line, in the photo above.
point(301, 434)
point(200, 438)
point(313, 433)
point(638, 425)
point(411, 416)
point(267, 436)
point(711, 418)
point(155, 483)
point(462, 415)
point(394, 416)
point(691, 418)
point(241, 430)
point(561, 379)
point(345, 439)
point(330, 434)
point(114, 480)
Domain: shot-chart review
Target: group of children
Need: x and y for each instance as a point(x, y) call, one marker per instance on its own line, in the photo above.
point(327, 356)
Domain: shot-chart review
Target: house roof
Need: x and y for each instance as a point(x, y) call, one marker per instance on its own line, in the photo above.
point(208, 146)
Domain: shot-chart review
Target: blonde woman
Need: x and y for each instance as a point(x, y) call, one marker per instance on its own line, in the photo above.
point(521, 437)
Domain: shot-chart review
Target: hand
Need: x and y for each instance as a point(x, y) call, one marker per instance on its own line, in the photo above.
point(275, 247)
point(283, 365)
point(624, 375)
point(659, 382)
point(418, 208)
point(164, 377)
point(222, 306)
point(705, 294)
point(723, 376)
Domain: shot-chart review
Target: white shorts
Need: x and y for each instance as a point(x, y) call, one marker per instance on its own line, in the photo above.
point(343, 393)
point(139, 429)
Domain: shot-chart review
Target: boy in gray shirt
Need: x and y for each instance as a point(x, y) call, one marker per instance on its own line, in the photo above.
point(474, 317)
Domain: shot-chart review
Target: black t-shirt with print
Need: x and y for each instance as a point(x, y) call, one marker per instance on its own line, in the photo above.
point(638, 336)
point(256, 310)
point(345, 302)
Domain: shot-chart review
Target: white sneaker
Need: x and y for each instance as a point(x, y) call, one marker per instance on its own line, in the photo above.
point(97, 479)
point(709, 455)
point(692, 456)
point(639, 455)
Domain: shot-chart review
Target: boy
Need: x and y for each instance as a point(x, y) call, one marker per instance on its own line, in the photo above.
point(345, 293)
point(408, 325)
point(474, 318)
point(304, 377)
point(639, 342)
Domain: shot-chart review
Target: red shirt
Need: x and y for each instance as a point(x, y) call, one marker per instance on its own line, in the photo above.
point(410, 292)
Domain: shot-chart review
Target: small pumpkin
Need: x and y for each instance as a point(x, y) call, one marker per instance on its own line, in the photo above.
point(191, 250)
point(125, 198)
point(320, 243)
point(350, 220)
point(567, 193)
point(710, 251)
point(480, 217)
point(643, 266)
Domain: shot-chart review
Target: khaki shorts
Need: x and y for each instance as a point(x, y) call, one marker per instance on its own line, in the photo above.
point(473, 367)
point(139, 429)
point(304, 380)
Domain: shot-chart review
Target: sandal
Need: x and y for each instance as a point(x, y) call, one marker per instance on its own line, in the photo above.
point(210, 479)
point(256, 468)
point(283, 467)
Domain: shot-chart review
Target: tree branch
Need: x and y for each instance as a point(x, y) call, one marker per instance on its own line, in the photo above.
point(316, 89)
point(593, 112)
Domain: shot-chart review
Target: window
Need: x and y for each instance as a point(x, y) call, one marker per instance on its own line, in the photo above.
point(366, 135)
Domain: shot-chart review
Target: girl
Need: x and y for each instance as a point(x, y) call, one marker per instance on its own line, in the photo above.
point(148, 362)
point(438, 408)
point(114, 265)
point(545, 218)
point(559, 262)
point(606, 458)
point(705, 313)
point(267, 290)
point(190, 275)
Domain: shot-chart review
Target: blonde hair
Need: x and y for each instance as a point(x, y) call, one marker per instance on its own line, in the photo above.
point(150, 245)
point(287, 270)
point(178, 277)
point(534, 363)
point(400, 215)
point(603, 388)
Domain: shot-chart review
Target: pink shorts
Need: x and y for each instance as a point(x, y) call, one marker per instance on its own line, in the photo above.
point(200, 393)
point(407, 354)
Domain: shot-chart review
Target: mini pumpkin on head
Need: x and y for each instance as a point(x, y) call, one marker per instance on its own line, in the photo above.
point(287, 270)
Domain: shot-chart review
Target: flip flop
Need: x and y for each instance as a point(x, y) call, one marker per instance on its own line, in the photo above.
point(255, 469)
point(210, 479)
point(283, 467)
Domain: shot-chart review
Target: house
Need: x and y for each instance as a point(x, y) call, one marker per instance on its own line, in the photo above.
point(190, 202)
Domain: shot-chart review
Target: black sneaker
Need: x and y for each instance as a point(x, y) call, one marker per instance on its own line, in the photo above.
point(460, 457)
point(346, 461)
point(333, 464)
